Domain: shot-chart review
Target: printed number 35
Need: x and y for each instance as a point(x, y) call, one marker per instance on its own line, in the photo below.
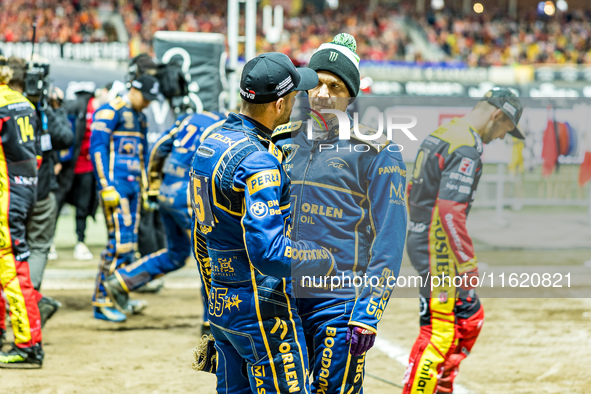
point(198, 200)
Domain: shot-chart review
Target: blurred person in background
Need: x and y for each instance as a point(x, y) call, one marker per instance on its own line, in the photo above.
point(119, 151)
point(168, 174)
point(445, 177)
point(20, 157)
point(151, 235)
point(76, 180)
point(56, 134)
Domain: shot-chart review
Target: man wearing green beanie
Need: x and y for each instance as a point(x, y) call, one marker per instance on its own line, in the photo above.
point(347, 196)
point(339, 58)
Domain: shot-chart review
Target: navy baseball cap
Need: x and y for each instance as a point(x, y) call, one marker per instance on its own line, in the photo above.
point(509, 103)
point(148, 85)
point(270, 76)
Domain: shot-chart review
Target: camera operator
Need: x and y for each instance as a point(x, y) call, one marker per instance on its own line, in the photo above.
point(56, 134)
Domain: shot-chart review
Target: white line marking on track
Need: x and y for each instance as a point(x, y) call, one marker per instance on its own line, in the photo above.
point(401, 355)
point(550, 372)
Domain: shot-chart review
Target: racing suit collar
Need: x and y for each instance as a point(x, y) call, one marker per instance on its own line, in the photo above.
point(477, 138)
point(249, 124)
point(321, 134)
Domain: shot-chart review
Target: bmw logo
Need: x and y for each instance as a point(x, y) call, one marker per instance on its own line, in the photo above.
point(259, 209)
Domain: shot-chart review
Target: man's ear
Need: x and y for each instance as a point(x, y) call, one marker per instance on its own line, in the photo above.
point(497, 115)
point(279, 104)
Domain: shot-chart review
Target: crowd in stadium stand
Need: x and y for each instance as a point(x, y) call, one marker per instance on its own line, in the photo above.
point(379, 34)
point(495, 39)
point(478, 40)
point(57, 21)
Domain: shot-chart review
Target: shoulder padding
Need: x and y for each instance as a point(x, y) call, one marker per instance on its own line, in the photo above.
point(117, 104)
point(287, 128)
point(455, 135)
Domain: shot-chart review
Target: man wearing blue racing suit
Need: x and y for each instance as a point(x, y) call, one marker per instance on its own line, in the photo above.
point(349, 195)
point(241, 205)
point(168, 178)
point(118, 151)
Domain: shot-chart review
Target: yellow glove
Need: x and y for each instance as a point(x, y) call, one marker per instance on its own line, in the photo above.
point(110, 197)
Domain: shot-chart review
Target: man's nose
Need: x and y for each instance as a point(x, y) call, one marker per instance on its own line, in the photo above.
point(323, 92)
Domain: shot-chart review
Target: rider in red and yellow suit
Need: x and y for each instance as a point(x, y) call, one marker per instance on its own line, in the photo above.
point(446, 174)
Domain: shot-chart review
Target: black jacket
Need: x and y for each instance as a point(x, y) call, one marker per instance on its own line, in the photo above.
point(61, 137)
point(78, 108)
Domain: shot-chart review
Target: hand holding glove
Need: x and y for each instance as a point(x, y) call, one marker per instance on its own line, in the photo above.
point(110, 197)
point(361, 340)
point(205, 355)
point(150, 201)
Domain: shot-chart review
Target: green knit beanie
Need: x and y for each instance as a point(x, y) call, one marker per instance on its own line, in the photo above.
point(339, 58)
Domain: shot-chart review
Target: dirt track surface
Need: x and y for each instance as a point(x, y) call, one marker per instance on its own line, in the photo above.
point(150, 353)
point(526, 346)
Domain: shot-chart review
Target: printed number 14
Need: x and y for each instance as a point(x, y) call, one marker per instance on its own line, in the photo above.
point(27, 132)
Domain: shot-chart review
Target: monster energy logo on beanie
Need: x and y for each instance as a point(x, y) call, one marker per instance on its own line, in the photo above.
point(339, 58)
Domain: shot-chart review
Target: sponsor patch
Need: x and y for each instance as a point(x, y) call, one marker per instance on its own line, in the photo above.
point(451, 186)
point(259, 210)
point(417, 227)
point(249, 95)
point(25, 180)
point(128, 146)
point(100, 126)
point(129, 120)
point(263, 180)
point(398, 192)
point(467, 166)
point(462, 178)
point(105, 114)
point(464, 189)
point(336, 162)
point(511, 109)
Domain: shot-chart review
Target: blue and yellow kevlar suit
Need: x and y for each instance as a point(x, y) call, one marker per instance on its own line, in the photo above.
point(349, 196)
point(118, 153)
point(240, 197)
point(171, 156)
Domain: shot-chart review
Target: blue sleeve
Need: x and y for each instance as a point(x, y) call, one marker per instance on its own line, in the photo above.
point(104, 121)
point(158, 155)
point(266, 225)
point(164, 145)
point(386, 195)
